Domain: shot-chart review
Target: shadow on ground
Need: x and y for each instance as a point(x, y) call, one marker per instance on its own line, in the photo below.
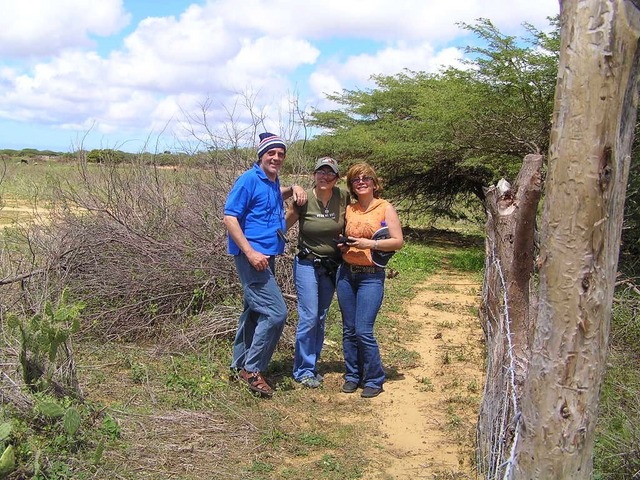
point(435, 237)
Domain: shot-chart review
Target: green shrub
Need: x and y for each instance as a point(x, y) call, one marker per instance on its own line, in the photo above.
point(44, 339)
point(469, 260)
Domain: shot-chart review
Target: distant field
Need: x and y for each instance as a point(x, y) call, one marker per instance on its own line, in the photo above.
point(25, 188)
point(14, 211)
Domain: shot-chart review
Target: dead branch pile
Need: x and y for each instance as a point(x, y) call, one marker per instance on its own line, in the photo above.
point(143, 248)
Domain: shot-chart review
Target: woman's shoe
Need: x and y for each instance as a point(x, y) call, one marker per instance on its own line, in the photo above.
point(370, 392)
point(349, 387)
point(311, 382)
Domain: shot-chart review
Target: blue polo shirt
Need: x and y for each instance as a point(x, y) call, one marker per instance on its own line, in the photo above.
point(257, 203)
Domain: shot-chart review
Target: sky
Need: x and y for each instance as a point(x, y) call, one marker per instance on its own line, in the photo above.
point(162, 75)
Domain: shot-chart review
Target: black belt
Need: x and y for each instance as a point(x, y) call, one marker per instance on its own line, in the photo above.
point(363, 268)
point(329, 264)
point(313, 257)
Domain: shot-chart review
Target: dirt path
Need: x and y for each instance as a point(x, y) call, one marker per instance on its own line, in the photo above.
point(428, 413)
point(11, 216)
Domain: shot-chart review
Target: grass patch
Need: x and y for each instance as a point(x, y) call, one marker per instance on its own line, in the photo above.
point(443, 288)
point(617, 446)
point(468, 260)
point(34, 181)
point(400, 358)
point(425, 385)
point(315, 439)
point(445, 324)
point(415, 260)
point(473, 386)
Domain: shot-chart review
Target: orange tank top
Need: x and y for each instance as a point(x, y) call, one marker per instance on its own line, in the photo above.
point(363, 224)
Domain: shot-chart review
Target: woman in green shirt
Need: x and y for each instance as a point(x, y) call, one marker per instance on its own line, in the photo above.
point(321, 221)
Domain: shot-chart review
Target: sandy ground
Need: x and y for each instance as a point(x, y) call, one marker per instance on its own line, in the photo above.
point(428, 413)
point(12, 215)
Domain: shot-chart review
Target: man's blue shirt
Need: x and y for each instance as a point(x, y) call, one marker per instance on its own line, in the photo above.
point(257, 203)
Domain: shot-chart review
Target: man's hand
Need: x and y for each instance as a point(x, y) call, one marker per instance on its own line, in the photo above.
point(299, 195)
point(258, 260)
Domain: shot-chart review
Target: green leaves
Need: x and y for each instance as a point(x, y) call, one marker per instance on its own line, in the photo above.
point(5, 431)
point(435, 137)
point(70, 416)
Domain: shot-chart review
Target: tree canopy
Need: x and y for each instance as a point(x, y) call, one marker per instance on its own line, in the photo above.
point(437, 136)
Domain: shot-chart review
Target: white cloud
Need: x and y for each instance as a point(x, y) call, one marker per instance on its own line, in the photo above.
point(271, 55)
point(357, 70)
point(45, 27)
point(382, 20)
point(221, 50)
point(192, 38)
point(324, 82)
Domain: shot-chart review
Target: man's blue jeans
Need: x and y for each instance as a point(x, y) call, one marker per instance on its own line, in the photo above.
point(262, 321)
point(360, 297)
point(315, 290)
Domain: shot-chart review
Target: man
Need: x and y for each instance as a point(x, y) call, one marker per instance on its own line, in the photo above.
point(254, 218)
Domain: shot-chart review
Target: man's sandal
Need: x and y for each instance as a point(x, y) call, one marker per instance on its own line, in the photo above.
point(256, 383)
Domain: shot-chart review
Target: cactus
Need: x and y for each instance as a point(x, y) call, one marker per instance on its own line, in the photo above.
point(7, 461)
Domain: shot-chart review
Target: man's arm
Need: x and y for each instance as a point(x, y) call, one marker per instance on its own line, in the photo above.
point(258, 260)
point(292, 216)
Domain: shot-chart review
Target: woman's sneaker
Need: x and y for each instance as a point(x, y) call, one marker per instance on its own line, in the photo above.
point(311, 382)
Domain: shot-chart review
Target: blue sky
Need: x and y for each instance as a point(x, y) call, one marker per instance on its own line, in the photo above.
point(144, 75)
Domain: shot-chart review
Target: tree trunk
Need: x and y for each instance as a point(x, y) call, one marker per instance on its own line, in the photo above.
point(505, 311)
point(595, 112)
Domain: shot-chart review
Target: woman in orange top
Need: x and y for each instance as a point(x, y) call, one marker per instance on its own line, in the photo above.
point(360, 282)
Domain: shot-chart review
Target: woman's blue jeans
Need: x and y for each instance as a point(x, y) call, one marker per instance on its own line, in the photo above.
point(360, 297)
point(315, 289)
point(265, 312)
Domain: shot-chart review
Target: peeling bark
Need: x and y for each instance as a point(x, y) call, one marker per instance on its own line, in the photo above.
point(594, 115)
point(505, 311)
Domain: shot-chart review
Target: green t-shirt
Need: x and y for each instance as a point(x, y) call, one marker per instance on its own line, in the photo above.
point(319, 226)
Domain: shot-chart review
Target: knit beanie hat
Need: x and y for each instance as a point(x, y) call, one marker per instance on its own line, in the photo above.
point(269, 141)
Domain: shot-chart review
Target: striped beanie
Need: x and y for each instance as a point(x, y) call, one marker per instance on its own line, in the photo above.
point(269, 141)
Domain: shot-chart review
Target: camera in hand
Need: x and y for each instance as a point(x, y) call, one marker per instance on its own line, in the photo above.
point(343, 239)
